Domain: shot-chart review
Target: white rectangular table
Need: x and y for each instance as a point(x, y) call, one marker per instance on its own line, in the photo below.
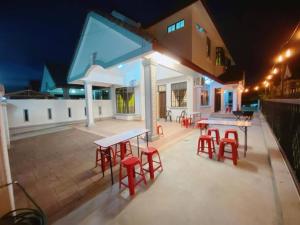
point(115, 139)
point(243, 125)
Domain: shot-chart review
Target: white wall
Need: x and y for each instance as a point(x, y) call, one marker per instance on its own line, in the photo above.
point(38, 111)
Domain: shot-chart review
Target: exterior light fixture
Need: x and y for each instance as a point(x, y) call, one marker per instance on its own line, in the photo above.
point(162, 59)
point(288, 53)
point(280, 59)
point(246, 90)
point(267, 84)
point(269, 77)
point(256, 88)
point(275, 70)
point(120, 66)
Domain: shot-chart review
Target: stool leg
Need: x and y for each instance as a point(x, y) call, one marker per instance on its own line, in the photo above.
point(120, 176)
point(143, 174)
point(122, 150)
point(131, 181)
point(202, 145)
point(221, 151)
point(160, 162)
point(209, 149)
point(234, 155)
point(150, 162)
point(217, 137)
point(198, 149)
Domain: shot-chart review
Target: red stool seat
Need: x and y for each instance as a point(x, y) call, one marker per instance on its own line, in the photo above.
point(150, 152)
point(103, 158)
point(123, 150)
point(217, 134)
point(130, 163)
point(234, 152)
point(206, 139)
point(235, 134)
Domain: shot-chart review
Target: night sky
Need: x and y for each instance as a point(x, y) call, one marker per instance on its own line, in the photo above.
point(35, 32)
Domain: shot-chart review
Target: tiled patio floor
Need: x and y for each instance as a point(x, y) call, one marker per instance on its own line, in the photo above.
point(57, 169)
point(192, 190)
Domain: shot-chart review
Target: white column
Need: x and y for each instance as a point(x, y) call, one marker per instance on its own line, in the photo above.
point(5, 121)
point(5, 174)
point(239, 103)
point(89, 103)
point(234, 100)
point(150, 97)
point(222, 101)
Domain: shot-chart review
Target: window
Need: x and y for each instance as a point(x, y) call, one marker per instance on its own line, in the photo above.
point(178, 94)
point(176, 26)
point(125, 100)
point(69, 112)
point(208, 47)
point(26, 115)
point(204, 96)
point(220, 56)
point(49, 114)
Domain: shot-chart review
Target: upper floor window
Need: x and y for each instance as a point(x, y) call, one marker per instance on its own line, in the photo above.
point(176, 26)
point(208, 47)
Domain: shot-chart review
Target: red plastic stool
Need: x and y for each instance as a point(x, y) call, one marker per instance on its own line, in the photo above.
point(217, 134)
point(130, 163)
point(150, 152)
point(159, 130)
point(235, 133)
point(123, 150)
point(210, 145)
point(102, 157)
point(234, 152)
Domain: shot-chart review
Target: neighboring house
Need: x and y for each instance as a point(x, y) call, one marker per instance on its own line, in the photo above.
point(172, 65)
point(54, 82)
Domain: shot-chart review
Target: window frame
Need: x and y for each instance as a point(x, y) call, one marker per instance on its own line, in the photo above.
point(205, 88)
point(176, 26)
point(127, 94)
point(180, 99)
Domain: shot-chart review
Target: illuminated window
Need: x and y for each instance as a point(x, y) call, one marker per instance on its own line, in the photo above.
point(176, 26)
point(125, 100)
point(178, 94)
point(204, 97)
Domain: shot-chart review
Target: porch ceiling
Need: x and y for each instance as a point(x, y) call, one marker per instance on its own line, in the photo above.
point(105, 43)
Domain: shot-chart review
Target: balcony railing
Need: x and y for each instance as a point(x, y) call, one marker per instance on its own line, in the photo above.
point(283, 117)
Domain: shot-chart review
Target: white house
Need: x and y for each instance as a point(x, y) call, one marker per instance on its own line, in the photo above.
point(173, 65)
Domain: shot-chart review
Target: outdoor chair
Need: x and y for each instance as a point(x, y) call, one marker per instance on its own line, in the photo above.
point(248, 115)
point(182, 115)
point(169, 115)
point(237, 114)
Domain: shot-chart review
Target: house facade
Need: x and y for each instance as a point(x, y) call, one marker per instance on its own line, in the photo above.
point(171, 66)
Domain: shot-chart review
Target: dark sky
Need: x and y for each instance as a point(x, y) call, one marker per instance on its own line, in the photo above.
point(34, 32)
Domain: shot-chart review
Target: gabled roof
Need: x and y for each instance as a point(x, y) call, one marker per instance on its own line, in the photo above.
point(233, 74)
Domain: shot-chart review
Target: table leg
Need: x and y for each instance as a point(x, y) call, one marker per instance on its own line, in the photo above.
point(138, 145)
point(111, 169)
point(147, 138)
point(245, 147)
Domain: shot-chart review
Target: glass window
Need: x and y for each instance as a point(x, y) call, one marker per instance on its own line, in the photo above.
point(208, 47)
point(178, 94)
point(26, 115)
point(178, 25)
point(204, 96)
point(125, 100)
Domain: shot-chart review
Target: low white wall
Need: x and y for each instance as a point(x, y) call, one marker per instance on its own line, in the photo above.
point(38, 111)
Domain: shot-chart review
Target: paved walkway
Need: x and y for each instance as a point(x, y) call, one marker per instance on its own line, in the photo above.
point(192, 190)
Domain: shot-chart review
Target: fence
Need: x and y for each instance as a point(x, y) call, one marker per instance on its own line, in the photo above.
point(283, 117)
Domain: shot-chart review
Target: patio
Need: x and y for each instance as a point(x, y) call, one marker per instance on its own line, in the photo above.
point(57, 170)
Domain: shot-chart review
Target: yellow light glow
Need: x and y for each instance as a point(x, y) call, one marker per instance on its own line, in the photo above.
point(280, 58)
point(267, 84)
point(246, 90)
point(256, 88)
point(275, 70)
point(288, 53)
point(162, 59)
point(269, 77)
